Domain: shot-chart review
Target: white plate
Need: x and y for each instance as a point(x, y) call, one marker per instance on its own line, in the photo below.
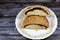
point(39, 34)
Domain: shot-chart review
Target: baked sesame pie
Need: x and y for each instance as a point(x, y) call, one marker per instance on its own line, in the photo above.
point(37, 10)
point(36, 17)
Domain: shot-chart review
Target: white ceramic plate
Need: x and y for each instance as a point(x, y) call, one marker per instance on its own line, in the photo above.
point(39, 34)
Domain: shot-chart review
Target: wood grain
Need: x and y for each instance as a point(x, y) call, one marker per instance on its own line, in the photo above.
point(13, 38)
point(56, 11)
point(26, 0)
point(53, 37)
point(10, 12)
point(12, 9)
point(7, 22)
point(9, 32)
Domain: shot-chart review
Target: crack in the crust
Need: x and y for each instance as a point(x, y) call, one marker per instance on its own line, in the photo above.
point(35, 9)
point(34, 15)
point(36, 24)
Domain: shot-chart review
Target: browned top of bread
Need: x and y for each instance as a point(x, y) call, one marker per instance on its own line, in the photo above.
point(35, 20)
point(31, 10)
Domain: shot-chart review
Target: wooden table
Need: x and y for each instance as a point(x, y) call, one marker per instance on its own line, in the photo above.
point(9, 10)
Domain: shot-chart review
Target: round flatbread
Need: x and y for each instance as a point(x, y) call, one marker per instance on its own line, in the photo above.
point(35, 22)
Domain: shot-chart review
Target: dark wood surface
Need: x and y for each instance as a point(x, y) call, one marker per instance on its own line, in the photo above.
point(9, 10)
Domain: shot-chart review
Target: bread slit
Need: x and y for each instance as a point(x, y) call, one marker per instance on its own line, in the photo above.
point(36, 8)
point(36, 24)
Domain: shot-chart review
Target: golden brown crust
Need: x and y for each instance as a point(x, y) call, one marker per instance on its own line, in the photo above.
point(36, 20)
point(45, 9)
